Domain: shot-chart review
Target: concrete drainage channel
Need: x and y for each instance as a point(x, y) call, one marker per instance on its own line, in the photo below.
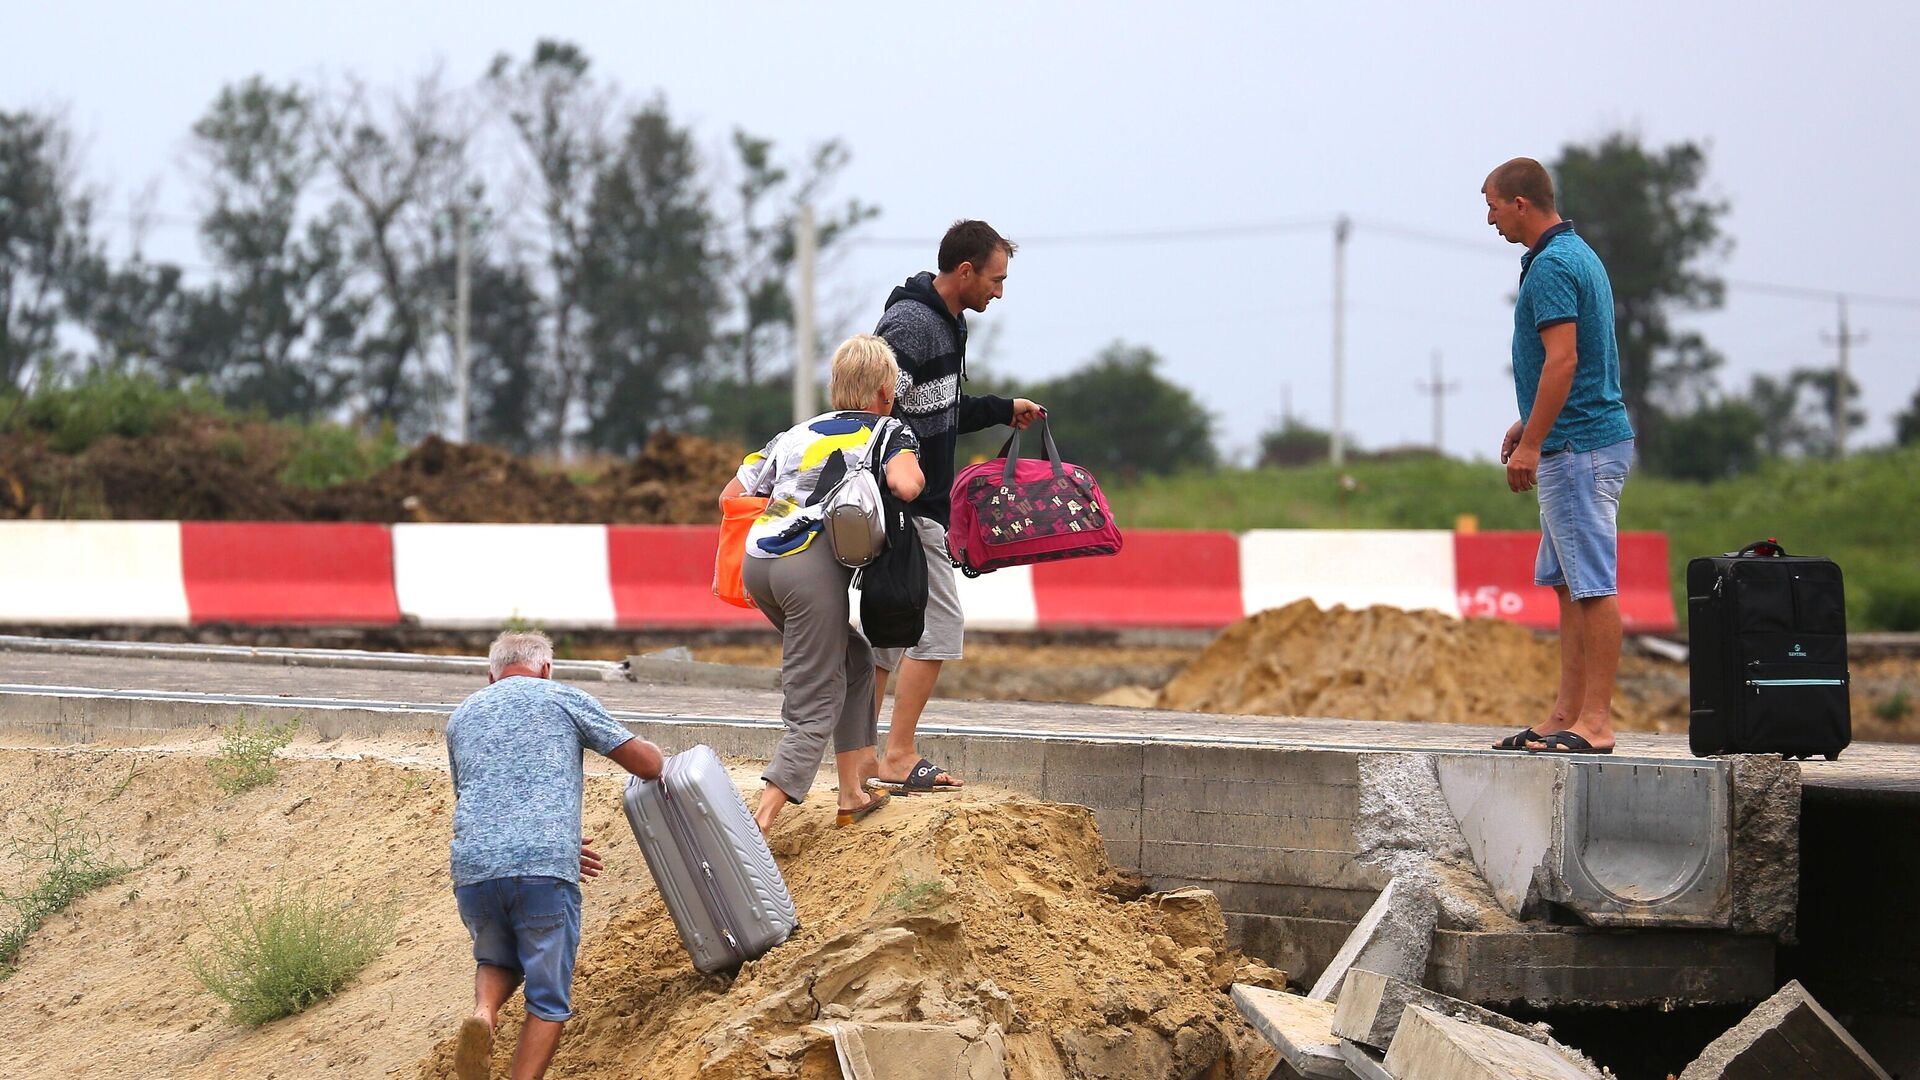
point(1652, 890)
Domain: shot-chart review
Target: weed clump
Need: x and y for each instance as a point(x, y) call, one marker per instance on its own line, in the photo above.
point(274, 957)
point(245, 760)
point(911, 893)
point(69, 864)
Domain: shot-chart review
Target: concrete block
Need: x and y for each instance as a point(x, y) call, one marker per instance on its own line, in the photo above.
point(1435, 1047)
point(1093, 774)
point(1766, 845)
point(1788, 1034)
point(1589, 967)
point(1394, 937)
point(1364, 1062)
point(1258, 797)
point(1307, 901)
point(920, 1051)
point(1267, 865)
point(1617, 843)
point(1371, 1005)
point(1301, 947)
point(1200, 761)
point(1301, 1029)
point(1183, 826)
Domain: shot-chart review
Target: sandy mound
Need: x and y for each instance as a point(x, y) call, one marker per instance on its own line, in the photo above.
point(979, 911)
point(1386, 664)
point(982, 913)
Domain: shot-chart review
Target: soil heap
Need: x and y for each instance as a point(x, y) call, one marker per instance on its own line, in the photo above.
point(1382, 663)
point(976, 912)
point(213, 468)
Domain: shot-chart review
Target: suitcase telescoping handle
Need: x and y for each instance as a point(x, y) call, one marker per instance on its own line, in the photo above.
point(1769, 548)
point(1011, 451)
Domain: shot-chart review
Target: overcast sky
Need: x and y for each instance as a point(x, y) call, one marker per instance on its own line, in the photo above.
point(1064, 123)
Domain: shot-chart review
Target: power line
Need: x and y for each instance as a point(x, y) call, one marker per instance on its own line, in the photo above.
point(1137, 236)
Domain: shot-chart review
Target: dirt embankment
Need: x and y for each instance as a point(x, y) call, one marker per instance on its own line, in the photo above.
point(215, 469)
point(1382, 663)
point(972, 910)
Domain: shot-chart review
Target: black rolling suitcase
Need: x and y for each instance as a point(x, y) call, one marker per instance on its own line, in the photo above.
point(1768, 657)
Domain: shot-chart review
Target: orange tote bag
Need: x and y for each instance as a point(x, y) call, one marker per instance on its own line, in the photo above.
point(729, 581)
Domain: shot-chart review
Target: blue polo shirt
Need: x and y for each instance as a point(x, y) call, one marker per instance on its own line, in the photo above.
point(1562, 281)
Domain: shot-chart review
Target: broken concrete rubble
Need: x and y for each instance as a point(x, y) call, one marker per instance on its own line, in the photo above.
point(1394, 937)
point(1788, 1034)
point(1431, 1046)
point(1300, 1028)
point(1371, 1006)
point(907, 1051)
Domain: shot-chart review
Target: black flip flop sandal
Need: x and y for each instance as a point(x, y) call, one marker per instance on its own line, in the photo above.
point(1519, 741)
point(922, 779)
point(1567, 742)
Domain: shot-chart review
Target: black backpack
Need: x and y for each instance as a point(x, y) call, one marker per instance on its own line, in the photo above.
point(893, 587)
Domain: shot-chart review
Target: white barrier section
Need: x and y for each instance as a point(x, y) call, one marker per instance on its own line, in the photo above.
point(1406, 568)
point(78, 572)
point(1001, 600)
point(484, 575)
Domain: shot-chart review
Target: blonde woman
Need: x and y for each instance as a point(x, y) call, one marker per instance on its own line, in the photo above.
point(826, 666)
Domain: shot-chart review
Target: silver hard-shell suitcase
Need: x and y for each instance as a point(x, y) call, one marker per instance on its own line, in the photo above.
point(721, 886)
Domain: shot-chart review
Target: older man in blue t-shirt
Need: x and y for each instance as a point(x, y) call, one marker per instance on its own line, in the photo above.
point(518, 851)
point(1573, 442)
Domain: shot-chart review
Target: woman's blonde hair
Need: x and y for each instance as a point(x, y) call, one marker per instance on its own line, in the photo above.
point(863, 366)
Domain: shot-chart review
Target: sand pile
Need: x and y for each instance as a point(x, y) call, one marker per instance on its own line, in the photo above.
point(991, 915)
point(1383, 663)
point(996, 916)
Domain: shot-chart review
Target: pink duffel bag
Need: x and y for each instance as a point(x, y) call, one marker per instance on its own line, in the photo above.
point(1010, 511)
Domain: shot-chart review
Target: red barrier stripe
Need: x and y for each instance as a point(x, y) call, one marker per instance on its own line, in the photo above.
point(662, 575)
point(294, 572)
point(1162, 577)
point(1493, 572)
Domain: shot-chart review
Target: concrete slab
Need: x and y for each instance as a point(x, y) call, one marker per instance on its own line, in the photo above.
point(1579, 966)
point(1371, 1006)
point(909, 1051)
point(1300, 1028)
point(1787, 1035)
point(1364, 1062)
point(1435, 1047)
point(1394, 937)
point(1617, 843)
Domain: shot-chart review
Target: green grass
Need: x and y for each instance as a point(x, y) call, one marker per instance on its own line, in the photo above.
point(911, 893)
point(276, 956)
point(64, 862)
point(245, 760)
point(1863, 513)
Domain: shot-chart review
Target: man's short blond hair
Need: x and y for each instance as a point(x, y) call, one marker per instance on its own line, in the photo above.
point(863, 367)
point(519, 648)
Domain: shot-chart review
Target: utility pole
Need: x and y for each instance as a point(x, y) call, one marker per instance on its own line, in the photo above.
point(1843, 340)
point(804, 247)
point(462, 304)
point(1438, 389)
point(1337, 446)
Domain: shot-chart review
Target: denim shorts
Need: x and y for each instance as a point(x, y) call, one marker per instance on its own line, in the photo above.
point(529, 926)
point(1579, 502)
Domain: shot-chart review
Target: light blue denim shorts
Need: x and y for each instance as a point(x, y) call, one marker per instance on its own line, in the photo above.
point(1579, 503)
point(529, 926)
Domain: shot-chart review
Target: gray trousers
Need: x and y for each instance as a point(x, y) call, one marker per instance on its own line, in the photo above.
point(826, 666)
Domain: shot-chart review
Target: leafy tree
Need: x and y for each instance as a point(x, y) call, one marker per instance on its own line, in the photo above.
point(770, 195)
point(1821, 385)
point(400, 165)
point(1642, 211)
point(276, 328)
point(44, 230)
point(1116, 415)
point(1714, 441)
point(1906, 426)
point(1293, 443)
point(648, 285)
point(562, 120)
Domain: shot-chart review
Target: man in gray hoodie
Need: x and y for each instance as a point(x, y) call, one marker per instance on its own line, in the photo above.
point(925, 324)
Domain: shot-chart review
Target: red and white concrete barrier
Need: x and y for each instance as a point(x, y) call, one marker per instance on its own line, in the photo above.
point(645, 576)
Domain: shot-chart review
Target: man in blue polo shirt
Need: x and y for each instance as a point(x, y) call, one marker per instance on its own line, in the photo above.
point(1573, 442)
